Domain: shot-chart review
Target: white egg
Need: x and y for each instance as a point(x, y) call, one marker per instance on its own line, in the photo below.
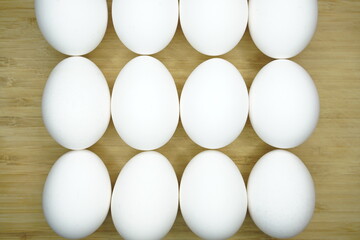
point(214, 104)
point(145, 198)
point(284, 104)
point(76, 103)
point(282, 28)
point(145, 104)
point(213, 198)
point(281, 194)
point(77, 194)
point(213, 27)
point(73, 27)
point(145, 26)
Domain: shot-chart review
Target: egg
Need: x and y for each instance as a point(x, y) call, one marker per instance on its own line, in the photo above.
point(214, 104)
point(72, 27)
point(281, 194)
point(282, 28)
point(213, 27)
point(145, 198)
point(213, 199)
point(145, 104)
point(145, 26)
point(284, 104)
point(77, 194)
point(76, 103)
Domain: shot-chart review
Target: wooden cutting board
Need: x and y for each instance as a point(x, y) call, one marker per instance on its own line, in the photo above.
point(332, 154)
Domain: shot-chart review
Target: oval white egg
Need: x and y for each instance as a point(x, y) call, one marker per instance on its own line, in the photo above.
point(213, 27)
point(145, 198)
point(284, 104)
point(72, 27)
point(145, 26)
point(282, 28)
point(77, 194)
point(281, 194)
point(76, 103)
point(214, 104)
point(213, 197)
point(145, 104)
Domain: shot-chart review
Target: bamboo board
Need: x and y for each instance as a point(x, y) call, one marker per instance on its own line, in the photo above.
point(332, 154)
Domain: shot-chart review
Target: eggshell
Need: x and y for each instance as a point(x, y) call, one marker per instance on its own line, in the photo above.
point(76, 103)
point(145, 104)
point(72, 27)
point(282, 28)
point(214, 104)
point(284, 104)
point(213, 27)
point(145, 26)
point(145, 199)
point(77, 193)
point(213, 197)
point(281, 194)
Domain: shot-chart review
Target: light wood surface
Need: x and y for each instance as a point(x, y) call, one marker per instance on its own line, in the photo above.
point(332, 154)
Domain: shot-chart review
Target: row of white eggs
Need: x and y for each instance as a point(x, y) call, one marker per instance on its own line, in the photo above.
point(283, 104)
point(213, 199)
point(279, 28)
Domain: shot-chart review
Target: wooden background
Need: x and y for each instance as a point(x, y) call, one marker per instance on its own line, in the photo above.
point(332, 154)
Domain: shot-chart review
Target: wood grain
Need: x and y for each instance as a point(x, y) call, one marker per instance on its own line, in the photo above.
point(332, 154)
